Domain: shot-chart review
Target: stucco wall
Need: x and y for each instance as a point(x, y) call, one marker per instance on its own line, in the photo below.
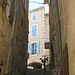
point(46, 34)
point(67, 30)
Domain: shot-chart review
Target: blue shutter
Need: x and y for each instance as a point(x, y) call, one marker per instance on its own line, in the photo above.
point(34, 31)
point(34, 16)
point(29, 49)
point(38, 47)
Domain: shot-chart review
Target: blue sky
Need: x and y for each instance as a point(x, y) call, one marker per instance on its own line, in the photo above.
point(33, 5)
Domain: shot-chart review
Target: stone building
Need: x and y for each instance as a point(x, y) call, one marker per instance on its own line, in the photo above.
point(38, 34)
point(62, 14)
point(13, 36)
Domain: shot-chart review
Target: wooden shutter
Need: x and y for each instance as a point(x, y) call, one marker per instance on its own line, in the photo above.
point(11, 14)
point(34, 31)
point(38, 47)
point(29, 49)
point(34, 16)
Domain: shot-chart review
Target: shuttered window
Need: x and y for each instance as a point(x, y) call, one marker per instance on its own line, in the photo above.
point(34, 48)
point(34, 16)
point(34, 31)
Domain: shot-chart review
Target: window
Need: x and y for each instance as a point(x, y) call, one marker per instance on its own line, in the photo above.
point(34, 31)
point(47, 45)
point(34, 16)
point(33, 48)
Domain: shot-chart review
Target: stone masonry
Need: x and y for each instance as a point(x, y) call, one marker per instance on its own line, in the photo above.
point(13, 39)
point(67, 25)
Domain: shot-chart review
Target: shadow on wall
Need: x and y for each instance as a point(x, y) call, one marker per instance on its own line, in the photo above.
point(65, 60)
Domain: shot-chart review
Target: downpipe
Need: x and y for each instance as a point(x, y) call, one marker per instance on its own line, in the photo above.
point(59, 35)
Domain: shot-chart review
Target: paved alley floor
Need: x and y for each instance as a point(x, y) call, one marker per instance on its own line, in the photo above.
point(41, 72)
point(35, 72)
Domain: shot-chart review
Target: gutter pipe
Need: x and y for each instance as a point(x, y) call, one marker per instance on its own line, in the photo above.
point(59, 35)
point(50, 38)
point(12, 39)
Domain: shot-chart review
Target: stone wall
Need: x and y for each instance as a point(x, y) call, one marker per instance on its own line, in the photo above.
point(54, 36)
point(18, 61)
point(5, 39)
point(14, 40)
point(66, 17)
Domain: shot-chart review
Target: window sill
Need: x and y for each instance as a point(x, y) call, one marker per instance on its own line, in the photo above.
point(34, 55)
point(33, 36)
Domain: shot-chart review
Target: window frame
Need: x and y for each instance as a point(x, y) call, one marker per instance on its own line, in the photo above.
point(36, 48)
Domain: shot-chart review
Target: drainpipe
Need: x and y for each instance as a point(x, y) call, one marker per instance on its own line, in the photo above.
point(12, 39)
point(49, 37)
point(59, 35)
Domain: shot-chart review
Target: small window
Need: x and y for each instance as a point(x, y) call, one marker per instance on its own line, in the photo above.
point(47, 45)
point(33, 48)
point(34, 31)
point(34, 16)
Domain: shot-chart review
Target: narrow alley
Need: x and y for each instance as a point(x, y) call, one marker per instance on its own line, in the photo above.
point(37, 37)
